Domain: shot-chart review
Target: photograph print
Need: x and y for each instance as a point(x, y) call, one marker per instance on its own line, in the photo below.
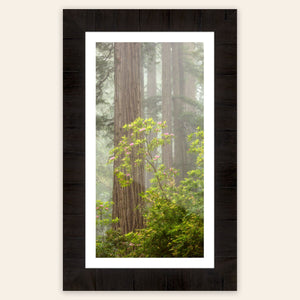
point(149, 150)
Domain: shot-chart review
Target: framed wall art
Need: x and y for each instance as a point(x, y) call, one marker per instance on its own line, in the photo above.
point(150, 136)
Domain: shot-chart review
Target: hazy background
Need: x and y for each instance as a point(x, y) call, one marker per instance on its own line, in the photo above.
point(31, 149)
point(185, 108)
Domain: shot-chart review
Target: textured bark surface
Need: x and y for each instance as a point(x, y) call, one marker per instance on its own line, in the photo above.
point(167, 101)
point(127, 108)
point(178, 92)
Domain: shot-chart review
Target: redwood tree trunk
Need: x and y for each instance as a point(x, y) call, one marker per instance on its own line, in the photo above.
point(166, 101)
point(178, 92)
point(190, 80)
point(127, 59)
point(151, 80)
point(190, 94)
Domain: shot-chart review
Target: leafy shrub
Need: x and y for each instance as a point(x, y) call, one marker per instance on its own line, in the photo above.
point(173, 213)
point(104, 216)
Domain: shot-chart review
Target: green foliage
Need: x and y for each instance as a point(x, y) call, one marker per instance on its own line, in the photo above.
point(173, 213)
point(104, 69)
point(140, 145)
point(171, 232)
point(112, 244)
point(104, 172)
point(104, 215)
point(105, 89)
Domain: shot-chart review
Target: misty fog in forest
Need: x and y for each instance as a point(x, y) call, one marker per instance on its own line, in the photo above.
point(149, 149)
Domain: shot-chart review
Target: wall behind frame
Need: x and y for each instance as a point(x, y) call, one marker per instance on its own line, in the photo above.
point(31, 156)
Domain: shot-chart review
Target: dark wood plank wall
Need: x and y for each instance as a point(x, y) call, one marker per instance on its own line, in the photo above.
point(224, 24)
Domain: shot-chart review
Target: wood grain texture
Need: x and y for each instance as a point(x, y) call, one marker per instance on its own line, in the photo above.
point(224, 24)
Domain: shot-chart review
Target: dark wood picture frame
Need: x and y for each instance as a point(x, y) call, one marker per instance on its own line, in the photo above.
point(75, 275)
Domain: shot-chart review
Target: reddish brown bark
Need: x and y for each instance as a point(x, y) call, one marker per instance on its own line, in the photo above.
point(126, 109)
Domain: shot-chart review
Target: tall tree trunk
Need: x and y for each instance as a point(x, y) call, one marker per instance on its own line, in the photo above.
point(190, 80)
point(151, 94)
point(126, 109)
point(143, 107)
point(178, 92)
point(190, 94)
point(166, 101)
point(151, 81)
